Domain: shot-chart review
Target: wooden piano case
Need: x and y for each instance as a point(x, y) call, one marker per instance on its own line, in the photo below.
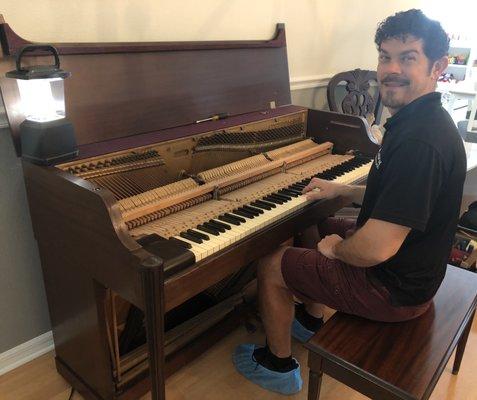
point(127, 95)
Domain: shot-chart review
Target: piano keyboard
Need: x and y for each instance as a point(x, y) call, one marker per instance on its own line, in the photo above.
point(217, 224)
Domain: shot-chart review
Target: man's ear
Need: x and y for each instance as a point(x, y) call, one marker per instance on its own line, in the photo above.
point(439, 67)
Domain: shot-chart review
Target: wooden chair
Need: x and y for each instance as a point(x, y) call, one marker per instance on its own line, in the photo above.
point(358, 99)
point(404, 360)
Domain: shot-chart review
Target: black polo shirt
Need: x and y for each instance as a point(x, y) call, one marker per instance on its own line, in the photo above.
point(416, 180)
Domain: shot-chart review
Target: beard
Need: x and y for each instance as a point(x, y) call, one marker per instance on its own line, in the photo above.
point(390, 100)
point(394, 98)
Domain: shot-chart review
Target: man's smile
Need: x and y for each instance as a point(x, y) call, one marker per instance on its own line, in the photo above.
point(395, 84)
point(394, 81)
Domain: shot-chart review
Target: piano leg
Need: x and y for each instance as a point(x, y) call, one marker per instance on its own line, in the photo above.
point(152, 281)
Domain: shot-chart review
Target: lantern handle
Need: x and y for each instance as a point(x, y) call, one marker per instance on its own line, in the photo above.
point(35, 47)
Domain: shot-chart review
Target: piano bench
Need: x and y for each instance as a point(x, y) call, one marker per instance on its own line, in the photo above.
point(400, 360)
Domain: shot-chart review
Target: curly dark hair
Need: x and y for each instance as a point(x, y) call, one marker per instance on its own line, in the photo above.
point(414, 22)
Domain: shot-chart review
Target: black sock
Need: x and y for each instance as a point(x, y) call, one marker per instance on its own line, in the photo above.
point(267, 359)
point(307, 320)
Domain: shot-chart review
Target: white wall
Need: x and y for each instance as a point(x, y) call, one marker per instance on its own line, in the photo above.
point(324, 37)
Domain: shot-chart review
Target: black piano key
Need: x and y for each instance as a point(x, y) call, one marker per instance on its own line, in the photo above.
point(289, 192)
point(243, 213)
point(293, 190)
point(259, 209)
point(236, 217)
point(182, 243)
point(273, 200)
point(281, 196)
point(207, 229)
point(232, 221)
point(261, 205)
point(199, 235)
point(298, 188)
point(213, 226)
point(219, 224)
point(266, 203)
point(192, 238)
point(252, 210)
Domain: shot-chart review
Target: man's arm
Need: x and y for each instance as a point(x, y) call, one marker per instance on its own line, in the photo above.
point(372, 244)
point(322, 189)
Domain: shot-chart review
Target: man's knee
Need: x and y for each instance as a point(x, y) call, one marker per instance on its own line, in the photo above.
point(269, 267)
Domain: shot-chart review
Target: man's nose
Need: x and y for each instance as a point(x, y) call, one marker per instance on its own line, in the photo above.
point(391, 67)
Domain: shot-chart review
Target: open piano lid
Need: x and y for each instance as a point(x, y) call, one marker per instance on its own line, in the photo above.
point(125, 89)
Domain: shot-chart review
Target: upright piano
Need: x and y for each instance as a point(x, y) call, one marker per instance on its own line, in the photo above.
point(145, 236)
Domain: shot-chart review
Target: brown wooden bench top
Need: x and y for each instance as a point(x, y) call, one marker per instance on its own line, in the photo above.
point(405, 359)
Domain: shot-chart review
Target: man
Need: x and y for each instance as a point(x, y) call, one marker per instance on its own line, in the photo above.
point(389, 266)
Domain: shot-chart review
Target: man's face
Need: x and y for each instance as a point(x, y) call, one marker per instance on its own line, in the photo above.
point(404, 72)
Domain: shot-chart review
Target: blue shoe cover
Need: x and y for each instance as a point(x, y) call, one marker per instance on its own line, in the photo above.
point(300, 333)
point(281, 382)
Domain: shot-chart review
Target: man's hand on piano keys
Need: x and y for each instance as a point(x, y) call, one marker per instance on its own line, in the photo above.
point(322, 189)
point(326, 246)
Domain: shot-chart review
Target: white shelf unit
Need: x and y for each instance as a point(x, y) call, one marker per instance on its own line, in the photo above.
point(460, 50)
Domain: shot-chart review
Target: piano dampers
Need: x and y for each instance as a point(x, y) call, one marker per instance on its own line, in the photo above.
point(125, 174)
point(115, 164)
point(254, 141)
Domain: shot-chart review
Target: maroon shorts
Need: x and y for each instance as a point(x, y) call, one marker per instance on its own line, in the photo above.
point(312, 277)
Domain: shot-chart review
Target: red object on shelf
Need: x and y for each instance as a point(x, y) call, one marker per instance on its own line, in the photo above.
point(457, 256)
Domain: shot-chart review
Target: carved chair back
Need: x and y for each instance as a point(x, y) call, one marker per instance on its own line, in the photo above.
point(359, 99)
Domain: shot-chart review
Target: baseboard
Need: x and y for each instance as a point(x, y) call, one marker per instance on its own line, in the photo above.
point(309, 82)
point(25, 352)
